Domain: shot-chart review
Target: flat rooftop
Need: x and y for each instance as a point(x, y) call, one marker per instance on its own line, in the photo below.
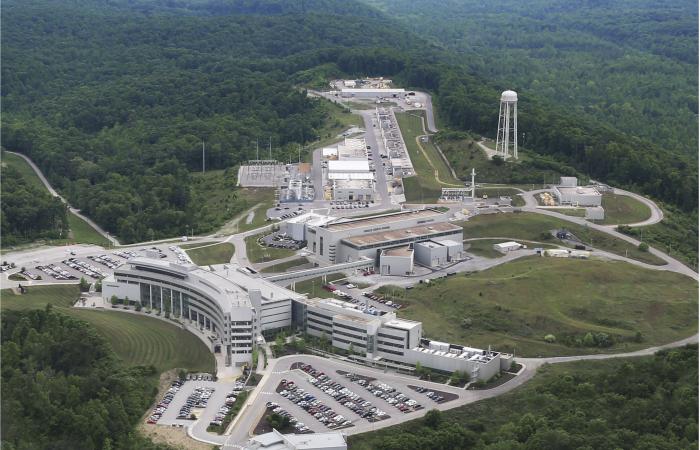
point(348, 166)
point(402, 324)
point(352, 184)
point(580, 190)
point(398, 251)
point(395, 235)
point(384, 219)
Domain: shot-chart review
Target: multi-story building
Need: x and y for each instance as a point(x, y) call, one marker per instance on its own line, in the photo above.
point(382, 338)
point(231, 306)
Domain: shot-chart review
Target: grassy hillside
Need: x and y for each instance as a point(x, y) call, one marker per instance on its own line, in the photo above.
point(515, 305)
point(137, 339)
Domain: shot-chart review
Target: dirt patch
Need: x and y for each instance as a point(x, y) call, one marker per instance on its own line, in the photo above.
point(172, 436)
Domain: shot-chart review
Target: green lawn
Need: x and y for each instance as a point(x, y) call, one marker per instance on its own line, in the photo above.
point(260, 198)
point(338, 119)
point(536, 227)
point(575, 212)
point(515, 305)
point(137, 339)
point(284, 266)
point(623, 209)
point(484, 248)
point(257, 253)
point(212, 254)
point(423, 187)
point(314, 286)
point(83, 233)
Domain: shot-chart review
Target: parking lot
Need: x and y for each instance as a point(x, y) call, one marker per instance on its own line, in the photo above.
point(319, 395)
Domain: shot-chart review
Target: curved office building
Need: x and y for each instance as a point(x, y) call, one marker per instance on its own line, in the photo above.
point(229, 305)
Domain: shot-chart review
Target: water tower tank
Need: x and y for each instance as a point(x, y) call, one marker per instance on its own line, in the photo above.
point(509, 96)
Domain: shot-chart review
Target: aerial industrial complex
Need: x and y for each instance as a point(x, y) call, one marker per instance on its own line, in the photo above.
point(344, 215)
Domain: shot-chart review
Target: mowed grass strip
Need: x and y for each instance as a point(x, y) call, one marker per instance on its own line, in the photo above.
point(621, 209)
point(537, 227)
point(284, 266)
point(137, 339)
point(212, 254)
point(423, 187)
point(514, 306)
point(83, 233)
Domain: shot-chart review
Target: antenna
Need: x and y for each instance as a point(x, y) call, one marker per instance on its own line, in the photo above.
point(257, 150)
point(203, 161)
point(473, 184)
point(299, 157)
point(270, 148)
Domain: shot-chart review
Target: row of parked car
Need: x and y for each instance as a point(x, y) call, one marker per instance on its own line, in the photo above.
point(382, 299)
point(321, 412)
point(106, 261)
point(430, 394)
point(395, 398)
point(225, 408)
point(85, 268)
point(126, 254)
point(160, 408)
point(349, 205)
point(56, 272)
point(197, 399)
point(299, 427)
point(182, 256)
point(345, 396)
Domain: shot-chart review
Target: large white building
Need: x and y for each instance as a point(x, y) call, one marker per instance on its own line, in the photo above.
point(578, 196)
point(344, 240)
point(230, 305)
point(383, 339)
point(278, 441)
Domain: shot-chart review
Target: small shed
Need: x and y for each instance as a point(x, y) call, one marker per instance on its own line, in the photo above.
point(504, 247)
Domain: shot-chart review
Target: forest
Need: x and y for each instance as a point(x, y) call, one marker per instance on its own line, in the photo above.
point(635, 403)
point(63, 387)
point(628, 63)
point(28, 212)
point(114, 100)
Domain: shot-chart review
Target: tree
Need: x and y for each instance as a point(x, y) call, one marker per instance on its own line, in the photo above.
point(433, 418)
point(98, 286)
point(643, 247)
point(351, 349)
point(114, 300)
point(84, 285)
point(550, 338)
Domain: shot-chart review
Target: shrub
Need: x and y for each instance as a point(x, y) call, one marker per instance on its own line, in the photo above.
point(550, 338)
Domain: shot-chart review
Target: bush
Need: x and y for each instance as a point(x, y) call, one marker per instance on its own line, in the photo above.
point(550, 338)
point(643, 247)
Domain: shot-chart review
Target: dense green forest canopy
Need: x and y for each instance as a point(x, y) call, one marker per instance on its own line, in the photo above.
point(29, 212)
point(629, 63)
point(113, 99)
point(63, 387)
point(638, 403)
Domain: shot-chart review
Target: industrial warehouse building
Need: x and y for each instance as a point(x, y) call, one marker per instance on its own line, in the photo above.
point(396, 261)
point(230, 305)
point(344, 240)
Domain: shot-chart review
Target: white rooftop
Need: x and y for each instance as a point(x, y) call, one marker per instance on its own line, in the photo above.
point(351, 176)
point(348, 166)
point(278, 441)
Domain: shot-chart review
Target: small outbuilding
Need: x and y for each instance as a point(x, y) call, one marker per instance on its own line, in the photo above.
point(396, 261)
point(505, 247)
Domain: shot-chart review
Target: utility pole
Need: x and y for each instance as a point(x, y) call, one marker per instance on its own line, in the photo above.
point(203, 161)
point(257, 150)
point(270, 154)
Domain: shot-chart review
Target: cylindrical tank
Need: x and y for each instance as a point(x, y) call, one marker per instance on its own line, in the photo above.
point(509, 96)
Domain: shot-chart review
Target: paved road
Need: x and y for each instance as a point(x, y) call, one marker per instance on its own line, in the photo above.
point(53, 192)
point(657, 214)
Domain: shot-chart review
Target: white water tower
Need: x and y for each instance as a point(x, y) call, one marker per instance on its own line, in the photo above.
point(507, 138)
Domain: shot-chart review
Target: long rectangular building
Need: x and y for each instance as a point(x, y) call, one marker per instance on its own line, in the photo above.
point(381, 337)
point(344, 240)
